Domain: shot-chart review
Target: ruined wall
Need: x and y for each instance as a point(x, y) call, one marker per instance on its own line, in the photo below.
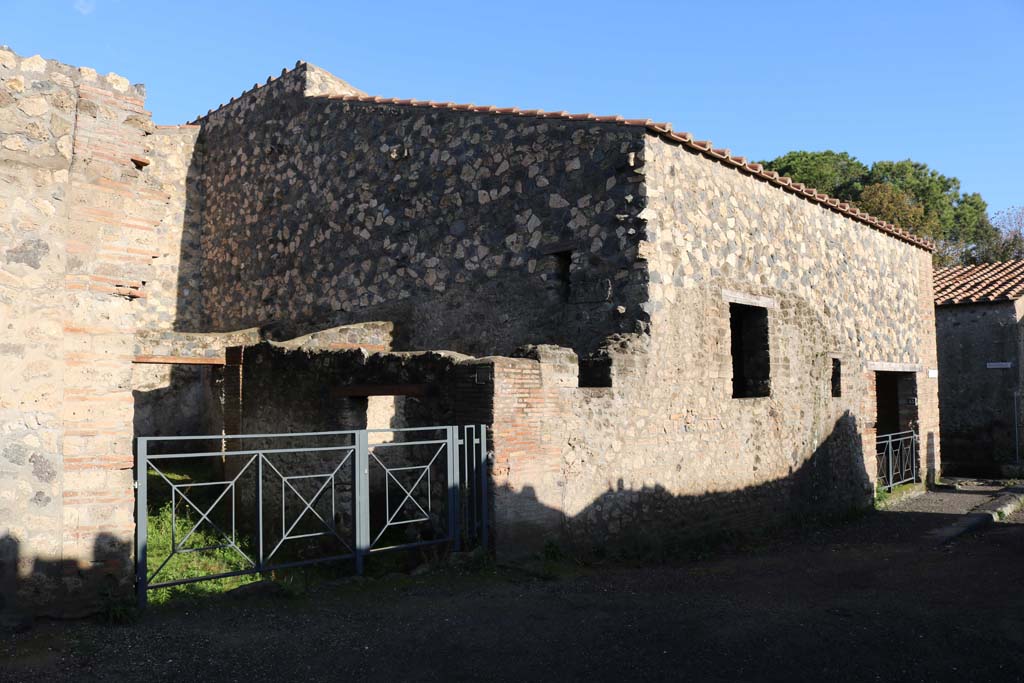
point(78, 223)
point(320, 212)
point(330, 391)
point(667, 446)
point(978, 401)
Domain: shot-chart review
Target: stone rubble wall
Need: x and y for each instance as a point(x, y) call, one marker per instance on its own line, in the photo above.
point(666, 452)
point(321, 211)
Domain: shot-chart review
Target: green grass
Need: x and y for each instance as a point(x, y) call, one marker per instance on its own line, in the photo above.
point(192, 564)
point(883, 497)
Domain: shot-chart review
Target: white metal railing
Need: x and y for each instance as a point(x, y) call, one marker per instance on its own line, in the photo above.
point(435, 476)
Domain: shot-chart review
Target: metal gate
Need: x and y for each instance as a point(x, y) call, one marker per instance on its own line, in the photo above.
point(274, 501)
point(897, 459)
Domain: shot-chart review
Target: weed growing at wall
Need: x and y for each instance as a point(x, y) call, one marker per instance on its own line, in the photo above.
point(192, 564)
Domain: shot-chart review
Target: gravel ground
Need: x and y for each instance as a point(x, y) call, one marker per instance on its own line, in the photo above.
point(869, 600)
point(945, 502)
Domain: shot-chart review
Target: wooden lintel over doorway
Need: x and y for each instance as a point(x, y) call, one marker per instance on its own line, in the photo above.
point(181, 360)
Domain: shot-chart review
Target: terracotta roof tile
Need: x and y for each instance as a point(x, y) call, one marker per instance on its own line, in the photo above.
point(984, 283)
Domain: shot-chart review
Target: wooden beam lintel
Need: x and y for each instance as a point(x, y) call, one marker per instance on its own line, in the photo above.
point(181, 360)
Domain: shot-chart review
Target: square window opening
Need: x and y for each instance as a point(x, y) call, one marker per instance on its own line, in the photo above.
point(751, 364)
point(595, 372)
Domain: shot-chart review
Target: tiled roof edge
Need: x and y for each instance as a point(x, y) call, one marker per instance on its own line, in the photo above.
point(985, 283)
point(665, 132)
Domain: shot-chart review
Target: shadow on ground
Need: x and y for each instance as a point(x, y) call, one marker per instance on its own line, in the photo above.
point(871, 599)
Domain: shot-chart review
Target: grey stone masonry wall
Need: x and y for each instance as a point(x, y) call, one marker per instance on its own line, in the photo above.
point(320, 211)
point(831, 289)
point(978, 426)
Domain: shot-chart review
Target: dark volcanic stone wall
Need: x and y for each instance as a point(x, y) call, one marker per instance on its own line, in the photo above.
point(320, 212)
point(977, 401)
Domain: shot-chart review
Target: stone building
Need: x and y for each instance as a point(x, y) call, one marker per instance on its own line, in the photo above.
point(978, 324)
point(664, 338)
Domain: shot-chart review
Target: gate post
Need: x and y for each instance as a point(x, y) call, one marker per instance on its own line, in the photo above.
point(141, 522)
point(484, 480)
point(259, 511)
point(361, 498)
point(454, 533)
point(888, 449)
point(916, 448)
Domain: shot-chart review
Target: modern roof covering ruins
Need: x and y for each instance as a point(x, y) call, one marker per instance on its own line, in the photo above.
point(985, 283)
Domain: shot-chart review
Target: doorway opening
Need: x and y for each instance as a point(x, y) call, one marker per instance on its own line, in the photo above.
point(896, 440)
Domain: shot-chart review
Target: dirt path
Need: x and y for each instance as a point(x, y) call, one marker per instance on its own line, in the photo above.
point(870, 600)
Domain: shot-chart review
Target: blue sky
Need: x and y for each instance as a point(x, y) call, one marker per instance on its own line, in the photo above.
point(940, 82)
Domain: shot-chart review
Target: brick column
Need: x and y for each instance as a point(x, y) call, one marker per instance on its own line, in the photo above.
point(519, 398)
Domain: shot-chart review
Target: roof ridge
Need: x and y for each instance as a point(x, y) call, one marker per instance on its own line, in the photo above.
point(666, 132)
point(255, 86)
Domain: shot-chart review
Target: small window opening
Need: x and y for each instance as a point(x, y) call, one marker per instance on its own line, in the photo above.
point(751, 367)
point(837, 378)
point(595, 372)
point(563, 268)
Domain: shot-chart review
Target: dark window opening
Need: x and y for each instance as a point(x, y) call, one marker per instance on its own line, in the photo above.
point(563, 267)
point(751, 367)
point(595, 372)
point(895, 402)
point(837, 378)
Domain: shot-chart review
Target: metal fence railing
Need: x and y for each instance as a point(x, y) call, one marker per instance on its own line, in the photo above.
point(896, 455)
point(263, 502)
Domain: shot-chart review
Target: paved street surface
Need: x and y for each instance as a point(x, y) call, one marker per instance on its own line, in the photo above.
point(872, 599)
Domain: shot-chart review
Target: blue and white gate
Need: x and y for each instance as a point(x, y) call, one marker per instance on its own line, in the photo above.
point(274, 501)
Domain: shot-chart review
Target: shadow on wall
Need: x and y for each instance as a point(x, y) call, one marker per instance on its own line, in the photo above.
point(177, 400)
point(831, 483)
point(64, 588)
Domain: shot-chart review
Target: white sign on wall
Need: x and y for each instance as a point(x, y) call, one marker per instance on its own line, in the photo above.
point(999, 365)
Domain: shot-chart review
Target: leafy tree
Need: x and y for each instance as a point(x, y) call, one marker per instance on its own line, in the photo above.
point(834, 173)
point(892, 204)
point(1008, 242)
point(935, 193)
point(972, 227)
